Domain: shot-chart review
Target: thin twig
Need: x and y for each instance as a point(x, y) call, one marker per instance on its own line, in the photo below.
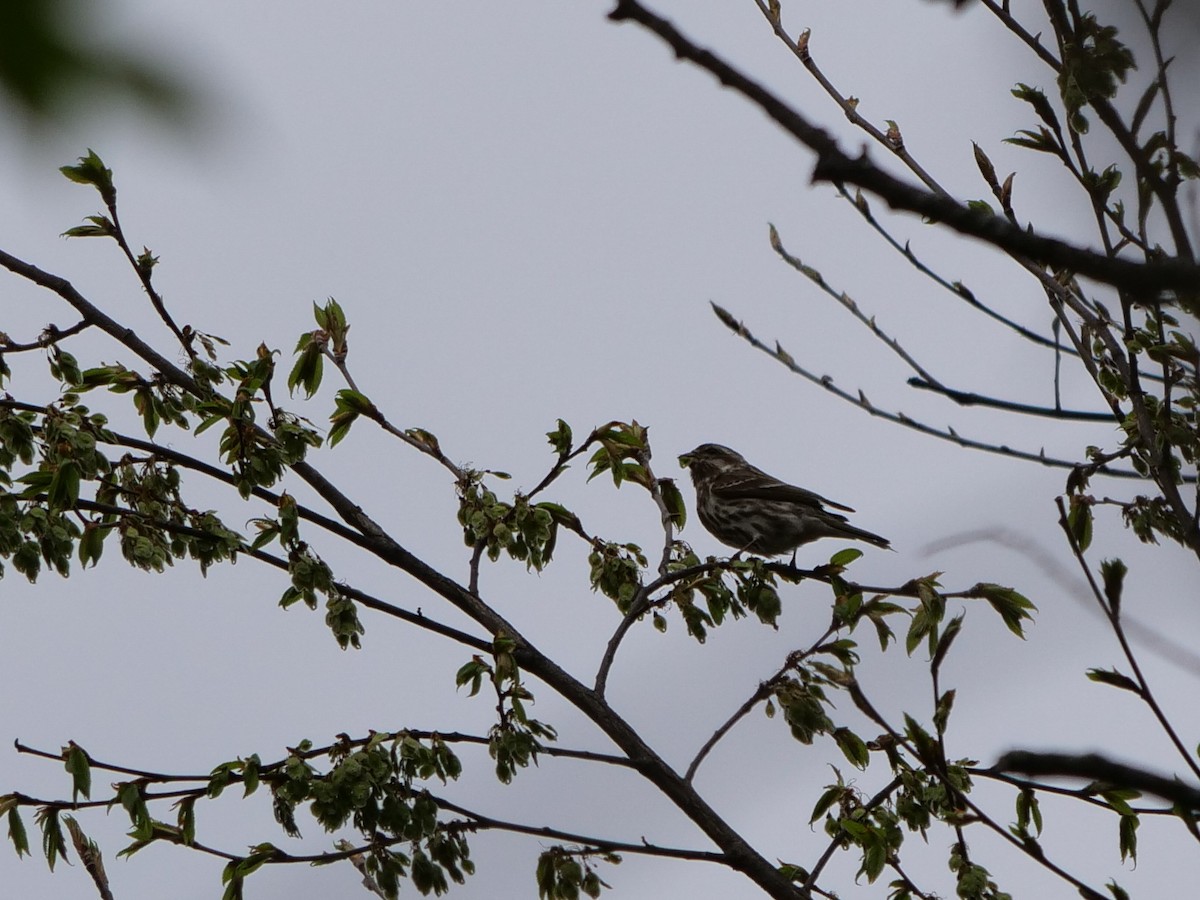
point(479, 821)
point(446, 737)
point(968, 398)
point(864, 404)
point(143, 273)
point(957, 288)
point(761, 693)
point(1085, 795)
point(890, 139)
point(1114, 618)
point(51, 334)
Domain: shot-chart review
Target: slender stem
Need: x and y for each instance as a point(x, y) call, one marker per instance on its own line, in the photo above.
point(477, 821)
point(52, 334)
point(143, 274)
point(968, 398)
point(1084, 795)
point(762, 693)
point(860, 400)
point(1114, 618)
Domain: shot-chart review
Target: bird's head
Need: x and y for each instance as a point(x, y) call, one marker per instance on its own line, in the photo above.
point(709, 460)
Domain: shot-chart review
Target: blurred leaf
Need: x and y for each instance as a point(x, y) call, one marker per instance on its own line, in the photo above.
point(49, 62)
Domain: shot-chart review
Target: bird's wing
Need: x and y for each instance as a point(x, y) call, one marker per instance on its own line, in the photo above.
point(767, 488)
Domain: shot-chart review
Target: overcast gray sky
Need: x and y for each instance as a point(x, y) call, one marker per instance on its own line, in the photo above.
point(525, 211)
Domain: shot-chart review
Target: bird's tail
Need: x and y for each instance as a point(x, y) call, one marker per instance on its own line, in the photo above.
point(859, 534)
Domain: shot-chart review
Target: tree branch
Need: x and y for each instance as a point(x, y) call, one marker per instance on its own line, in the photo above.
point(1095, 767)
point(52, 334)
point(861, 401)
point(968, 398)
point(834, 166)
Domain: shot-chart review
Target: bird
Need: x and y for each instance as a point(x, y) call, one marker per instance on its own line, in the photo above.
point(745, 508)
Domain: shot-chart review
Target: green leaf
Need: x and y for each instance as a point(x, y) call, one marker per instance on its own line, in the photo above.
point(562, 515)
point(1127, 830)
point(1113, 572)
point(17, 833)
point(673, 500)
point(926, 747)
point(80, 767)
point(1114, 678)
point(1041, 140)
point(560, 438)
point(309, 367)
point(64, 486)
point(1011, 605)
point(1079, 520)
point(853, 747)
point(1028, 812)
point(1036, 98)
point(917, 630)
point(91, 170)
point(1118, 799)
point(953, 627)
point(472, 673)
point(792, 872)
point(186, 819)
point(941, 713)
point(91, 544)
point(54, 845)
point(843, 558)
point(874, 859)
point(985, 167)
point(100, 227)
point(250, 775)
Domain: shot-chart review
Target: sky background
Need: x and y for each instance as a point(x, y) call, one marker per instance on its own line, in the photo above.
point(525, 211)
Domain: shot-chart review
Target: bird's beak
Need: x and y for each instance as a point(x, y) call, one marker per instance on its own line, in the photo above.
point(685, 461)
